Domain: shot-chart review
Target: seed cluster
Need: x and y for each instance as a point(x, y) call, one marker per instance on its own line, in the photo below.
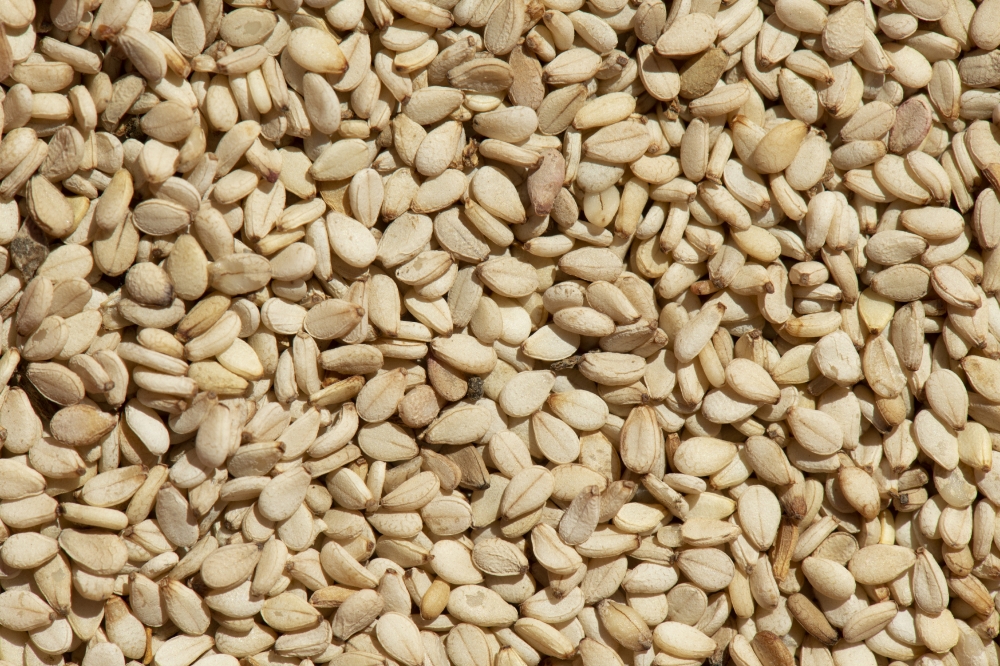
point(499, 332)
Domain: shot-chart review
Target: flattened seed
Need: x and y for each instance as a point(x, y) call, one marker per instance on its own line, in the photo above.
point(881, 563)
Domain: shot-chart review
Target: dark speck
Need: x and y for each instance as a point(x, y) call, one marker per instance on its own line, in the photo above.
point(475, 391)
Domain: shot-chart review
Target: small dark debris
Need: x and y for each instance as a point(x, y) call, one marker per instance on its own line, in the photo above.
point(130, 128)
point(330, 379)
point(159, 252)
point(115, 281)
point(475, 391)
point(565, 364)
point(312, 297)
point(29, 249)
point(137, 198)
point(198, 585)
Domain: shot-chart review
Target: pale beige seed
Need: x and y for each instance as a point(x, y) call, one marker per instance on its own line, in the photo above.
point(480, 606)
point(930, 590)
point(708, 568)
point(400, 637)
point(100, 553)
point(948, 398)
point(582, 410)
point(413, 493)
point(527, 491)
point(777, 148)
point(936, 439)
point(815, 430)
point(508, 277)
point(759, 513)
point(24, 611)
point(230, 565)
point(880, 563)
point(979, 372)
point(625, 624)
point(751, 381)
point(81, 425)
point(612, 369)
point(682, 641)
point(288, 612)
point(860, 491)
point(283, 494)
point(829, 577)
point(551, 552)
point(56, 382)
point(694, 335)
point(526, 393)
point(703, 456)
point(869, 621)
point(641, 439)
point(581, 517)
